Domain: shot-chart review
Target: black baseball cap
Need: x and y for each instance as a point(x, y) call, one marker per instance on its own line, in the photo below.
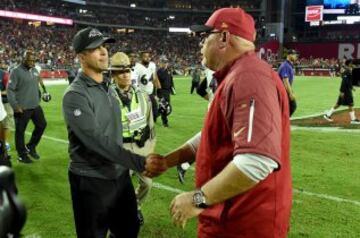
point(89, 38)
point(292, 52)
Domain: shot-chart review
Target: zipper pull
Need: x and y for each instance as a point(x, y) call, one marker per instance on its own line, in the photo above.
point(251, 119)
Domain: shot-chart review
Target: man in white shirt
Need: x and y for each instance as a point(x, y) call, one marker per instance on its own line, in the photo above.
point(133, 74)
point(147, 79)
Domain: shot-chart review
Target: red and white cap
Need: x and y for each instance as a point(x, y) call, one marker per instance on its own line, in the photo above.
point(235, 20)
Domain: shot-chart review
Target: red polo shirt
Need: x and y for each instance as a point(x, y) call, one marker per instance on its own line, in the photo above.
point(231, 128)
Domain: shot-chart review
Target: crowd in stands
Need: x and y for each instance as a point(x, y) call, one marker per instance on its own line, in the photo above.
point(120, 13)
point(50, 42)
point(53, 45)
point(187, 4)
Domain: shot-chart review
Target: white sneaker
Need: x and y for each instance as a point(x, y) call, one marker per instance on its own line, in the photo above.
point(355, 122)
point(326, 117)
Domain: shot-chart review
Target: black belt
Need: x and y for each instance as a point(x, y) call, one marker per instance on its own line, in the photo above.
point(128, 140)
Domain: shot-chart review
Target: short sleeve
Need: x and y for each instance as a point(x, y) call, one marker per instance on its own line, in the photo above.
point(284, 72)
point(255, 120)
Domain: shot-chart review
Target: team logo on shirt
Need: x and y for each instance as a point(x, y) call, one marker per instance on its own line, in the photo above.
point(77, 112)
point(237, 133)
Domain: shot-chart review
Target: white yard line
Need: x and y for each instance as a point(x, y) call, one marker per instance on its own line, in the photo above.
point(175, 190)
point(316, 114)
point(167, 188)
point(327, 197)
point(56, 82)
point(324, 129)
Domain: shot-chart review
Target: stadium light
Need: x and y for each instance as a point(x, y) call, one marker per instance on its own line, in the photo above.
point(132, 5)
point(179, 30)
point(76, 1)
point(34, 17)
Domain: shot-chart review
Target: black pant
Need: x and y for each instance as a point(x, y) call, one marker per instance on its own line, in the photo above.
point(21, 122)
point(165, 93)
point(194, 85)
point(154, 106)
point(102, 205)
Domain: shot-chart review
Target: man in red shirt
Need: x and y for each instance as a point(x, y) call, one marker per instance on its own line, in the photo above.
point(243, 178)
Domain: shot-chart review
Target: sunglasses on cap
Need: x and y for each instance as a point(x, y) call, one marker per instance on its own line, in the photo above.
point(122, 71)
point(204, 35)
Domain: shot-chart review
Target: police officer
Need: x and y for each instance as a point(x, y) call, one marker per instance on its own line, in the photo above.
point(166, 86)
point(24, 96)
point(137, 119)
point(103, 196)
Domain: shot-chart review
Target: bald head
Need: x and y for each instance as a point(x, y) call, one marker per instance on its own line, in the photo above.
point(29, 58)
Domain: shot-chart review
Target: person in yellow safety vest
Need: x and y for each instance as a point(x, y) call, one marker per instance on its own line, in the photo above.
point(137, 119)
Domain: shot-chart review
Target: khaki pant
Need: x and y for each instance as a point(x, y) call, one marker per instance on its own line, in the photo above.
point(145, 183)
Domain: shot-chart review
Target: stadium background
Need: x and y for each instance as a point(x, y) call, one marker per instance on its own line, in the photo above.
point(325, 160)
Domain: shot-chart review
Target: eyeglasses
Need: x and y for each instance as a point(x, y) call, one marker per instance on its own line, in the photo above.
point(123, 71)
point(204, 35)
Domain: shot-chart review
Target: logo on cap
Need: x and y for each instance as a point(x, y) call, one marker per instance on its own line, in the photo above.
point(94, 32)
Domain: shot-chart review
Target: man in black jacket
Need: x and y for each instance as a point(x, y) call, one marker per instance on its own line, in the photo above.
point(24, 97)
point(103, 196)
point(167, 84)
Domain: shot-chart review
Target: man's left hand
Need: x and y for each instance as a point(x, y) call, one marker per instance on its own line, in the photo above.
point(182, 209)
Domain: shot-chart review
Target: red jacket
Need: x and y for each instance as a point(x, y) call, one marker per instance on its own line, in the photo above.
point(263, 211)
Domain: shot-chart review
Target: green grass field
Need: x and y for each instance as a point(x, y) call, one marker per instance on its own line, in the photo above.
point(325, 169)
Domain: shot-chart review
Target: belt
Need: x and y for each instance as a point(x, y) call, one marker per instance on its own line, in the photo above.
point(128, 140)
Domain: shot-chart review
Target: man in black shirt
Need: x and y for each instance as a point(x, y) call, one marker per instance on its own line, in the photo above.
point(23, 94)
point(195, 79)
point(166, 82)
point(102, 194)
point(346, 97)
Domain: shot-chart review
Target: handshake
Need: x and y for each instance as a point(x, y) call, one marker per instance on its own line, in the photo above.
point(155, 165)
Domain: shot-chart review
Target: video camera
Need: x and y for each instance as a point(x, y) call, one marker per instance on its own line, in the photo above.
point(12, 210)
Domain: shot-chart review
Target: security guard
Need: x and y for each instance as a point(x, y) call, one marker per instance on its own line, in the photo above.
point(102, 194)
point(136, 117)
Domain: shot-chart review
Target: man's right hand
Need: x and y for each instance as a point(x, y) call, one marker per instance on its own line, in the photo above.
point(19, 109)
point(155, 165)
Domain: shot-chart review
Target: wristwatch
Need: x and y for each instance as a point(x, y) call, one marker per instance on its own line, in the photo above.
point(199, 199)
